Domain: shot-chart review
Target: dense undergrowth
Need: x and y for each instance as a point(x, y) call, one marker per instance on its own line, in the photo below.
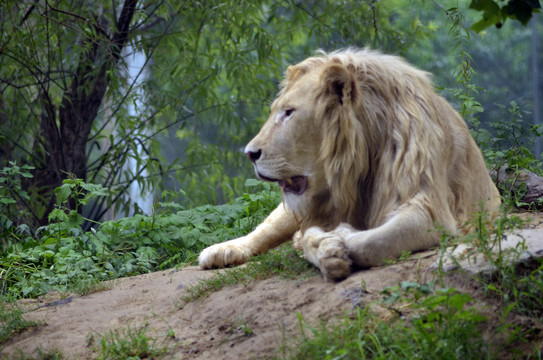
point(62, 257)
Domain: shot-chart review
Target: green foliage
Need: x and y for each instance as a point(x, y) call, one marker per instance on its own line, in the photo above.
point(507, 148)
point(509, 141)
point(465, 91)
point(520, 288)
point(496, 12)
point(70, 197)
point(506, 142)
point(63, 257)
point(435, 324)
point(14, 201)
point(477, 70)
point(517, 283)
point(81, 50)
point(52, 354)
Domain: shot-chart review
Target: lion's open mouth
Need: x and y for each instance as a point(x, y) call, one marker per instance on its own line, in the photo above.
point(296, 185)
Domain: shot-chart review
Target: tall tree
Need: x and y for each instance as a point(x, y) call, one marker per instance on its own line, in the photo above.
point(58, 63)
point(69, 107)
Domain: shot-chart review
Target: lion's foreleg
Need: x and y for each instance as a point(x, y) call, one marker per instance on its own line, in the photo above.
point(408, 230)
point(277, 228)
point(335, 252)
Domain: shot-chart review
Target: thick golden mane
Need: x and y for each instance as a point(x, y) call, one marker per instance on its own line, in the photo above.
point(384, 139)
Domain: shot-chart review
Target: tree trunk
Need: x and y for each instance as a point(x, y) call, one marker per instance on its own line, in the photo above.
point(5, 146)
point(63, 147)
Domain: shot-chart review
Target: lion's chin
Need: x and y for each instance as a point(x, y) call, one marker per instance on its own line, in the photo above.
point(296, 185)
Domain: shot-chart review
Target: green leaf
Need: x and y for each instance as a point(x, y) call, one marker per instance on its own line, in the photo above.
point(62, 193)
point(74, 219)
point(252, 183)
point(7, 201)
point(95, 189)
point(57, 215)
point(522, 10)
point(491, 14)
point(458, 300)
point(494, 13)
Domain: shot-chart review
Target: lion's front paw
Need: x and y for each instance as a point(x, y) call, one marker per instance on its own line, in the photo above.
point(327, 251)
point(221, 255)
point(334, 259)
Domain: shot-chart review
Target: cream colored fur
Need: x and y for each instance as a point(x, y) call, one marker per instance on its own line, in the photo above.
point(386, 159)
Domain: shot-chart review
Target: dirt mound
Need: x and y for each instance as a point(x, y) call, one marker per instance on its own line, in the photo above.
point(238, 322)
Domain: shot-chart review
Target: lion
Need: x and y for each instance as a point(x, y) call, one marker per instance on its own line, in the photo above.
point(371, 162)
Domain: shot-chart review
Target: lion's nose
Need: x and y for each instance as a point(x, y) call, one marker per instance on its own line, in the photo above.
point(253, 155)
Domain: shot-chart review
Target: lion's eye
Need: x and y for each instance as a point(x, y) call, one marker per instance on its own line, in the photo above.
point(284, 115)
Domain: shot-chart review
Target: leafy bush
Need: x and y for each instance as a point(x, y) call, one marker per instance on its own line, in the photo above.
point(507, 139)
point(63, 257)
point(13, 202)
point(507, 148)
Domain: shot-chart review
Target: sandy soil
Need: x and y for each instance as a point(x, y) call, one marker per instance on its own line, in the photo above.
point(214, 327)
point(208, 328)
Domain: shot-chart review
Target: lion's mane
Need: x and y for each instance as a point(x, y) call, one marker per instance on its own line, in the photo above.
point(388, 144)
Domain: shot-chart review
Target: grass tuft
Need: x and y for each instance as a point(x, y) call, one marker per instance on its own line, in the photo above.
point(432, 324)
point(53, 354)
point(283, 261)
point(129, 343)
point(518, 284)
point(11, 320)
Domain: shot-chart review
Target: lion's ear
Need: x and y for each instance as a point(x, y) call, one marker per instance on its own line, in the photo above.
point(294, 72)
point(338, 82)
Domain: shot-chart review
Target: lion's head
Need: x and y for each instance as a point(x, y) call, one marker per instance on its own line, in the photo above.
point(351, 137)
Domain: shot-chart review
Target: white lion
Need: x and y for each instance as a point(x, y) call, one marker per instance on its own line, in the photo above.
point(370, 159)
